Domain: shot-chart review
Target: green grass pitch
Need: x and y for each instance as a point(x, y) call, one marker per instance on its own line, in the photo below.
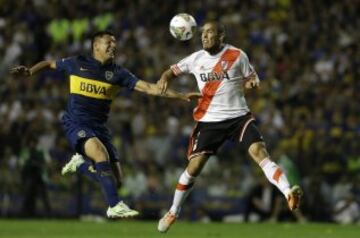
point(139, 229)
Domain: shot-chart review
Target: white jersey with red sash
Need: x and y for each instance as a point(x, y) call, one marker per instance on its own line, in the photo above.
point(219, 78)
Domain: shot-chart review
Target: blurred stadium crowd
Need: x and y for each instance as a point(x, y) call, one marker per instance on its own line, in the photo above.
point(306, 53)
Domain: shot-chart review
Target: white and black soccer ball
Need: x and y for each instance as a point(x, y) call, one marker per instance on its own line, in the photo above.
point(182, 26)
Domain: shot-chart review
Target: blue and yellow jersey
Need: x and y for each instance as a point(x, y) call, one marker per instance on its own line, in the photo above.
point(93, 86)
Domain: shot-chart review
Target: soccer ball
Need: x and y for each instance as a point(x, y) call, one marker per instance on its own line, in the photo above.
point(182, 26)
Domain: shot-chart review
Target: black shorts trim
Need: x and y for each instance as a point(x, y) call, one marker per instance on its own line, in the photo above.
point(243, 130)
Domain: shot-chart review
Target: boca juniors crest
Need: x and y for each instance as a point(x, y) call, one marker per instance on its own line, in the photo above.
point(109, 75)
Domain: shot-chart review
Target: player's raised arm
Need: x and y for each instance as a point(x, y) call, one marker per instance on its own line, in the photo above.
point(154, 89)
point(251, 79)
point(163, 82)
point(25, 71)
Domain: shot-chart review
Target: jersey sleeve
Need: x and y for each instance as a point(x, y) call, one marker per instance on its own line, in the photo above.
point(126, 79)
point(245, 67)
point(66, 64)
point(184, 66)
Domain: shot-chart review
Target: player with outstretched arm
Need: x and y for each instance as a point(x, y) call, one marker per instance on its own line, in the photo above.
point(94, 82)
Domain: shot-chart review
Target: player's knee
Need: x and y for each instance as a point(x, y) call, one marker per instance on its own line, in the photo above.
point(101, 157)
point(258, 151)
point(196, 164)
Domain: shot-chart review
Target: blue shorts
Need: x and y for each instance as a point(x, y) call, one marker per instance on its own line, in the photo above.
point(77, 133)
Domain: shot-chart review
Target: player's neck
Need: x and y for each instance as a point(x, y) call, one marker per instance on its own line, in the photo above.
point(100, 59)
point(216, 49)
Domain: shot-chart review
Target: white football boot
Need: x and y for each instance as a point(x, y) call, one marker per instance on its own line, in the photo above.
point(71, 166)
point(121, 210)
point(166, 221)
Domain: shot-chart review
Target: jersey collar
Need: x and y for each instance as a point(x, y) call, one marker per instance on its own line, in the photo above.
point(94, 61)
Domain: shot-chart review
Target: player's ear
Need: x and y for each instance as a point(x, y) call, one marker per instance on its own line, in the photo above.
point(95, 46)
point(222, 37)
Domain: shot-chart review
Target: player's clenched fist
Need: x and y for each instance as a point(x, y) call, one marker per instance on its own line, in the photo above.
point(252, 81)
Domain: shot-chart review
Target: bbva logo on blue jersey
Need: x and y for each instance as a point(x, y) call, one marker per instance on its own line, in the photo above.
point(92, 88)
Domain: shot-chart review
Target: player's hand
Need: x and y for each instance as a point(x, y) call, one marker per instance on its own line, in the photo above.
point(163, 85)
point(252, 81)
point(20, 71)
point(192, 96)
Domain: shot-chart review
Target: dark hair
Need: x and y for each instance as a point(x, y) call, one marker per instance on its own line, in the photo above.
point(99, 34)
point(219, 26)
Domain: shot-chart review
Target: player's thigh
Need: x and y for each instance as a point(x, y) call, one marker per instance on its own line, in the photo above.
point(95, 150)
point(252, 141)
point(206, 139)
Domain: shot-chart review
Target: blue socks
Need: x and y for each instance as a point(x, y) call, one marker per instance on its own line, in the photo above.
point(106, 179)
point(88, 170)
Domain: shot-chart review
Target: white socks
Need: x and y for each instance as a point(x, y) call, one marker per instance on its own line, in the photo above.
point(275, 175)
point(183, 188)
point(272, 171)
